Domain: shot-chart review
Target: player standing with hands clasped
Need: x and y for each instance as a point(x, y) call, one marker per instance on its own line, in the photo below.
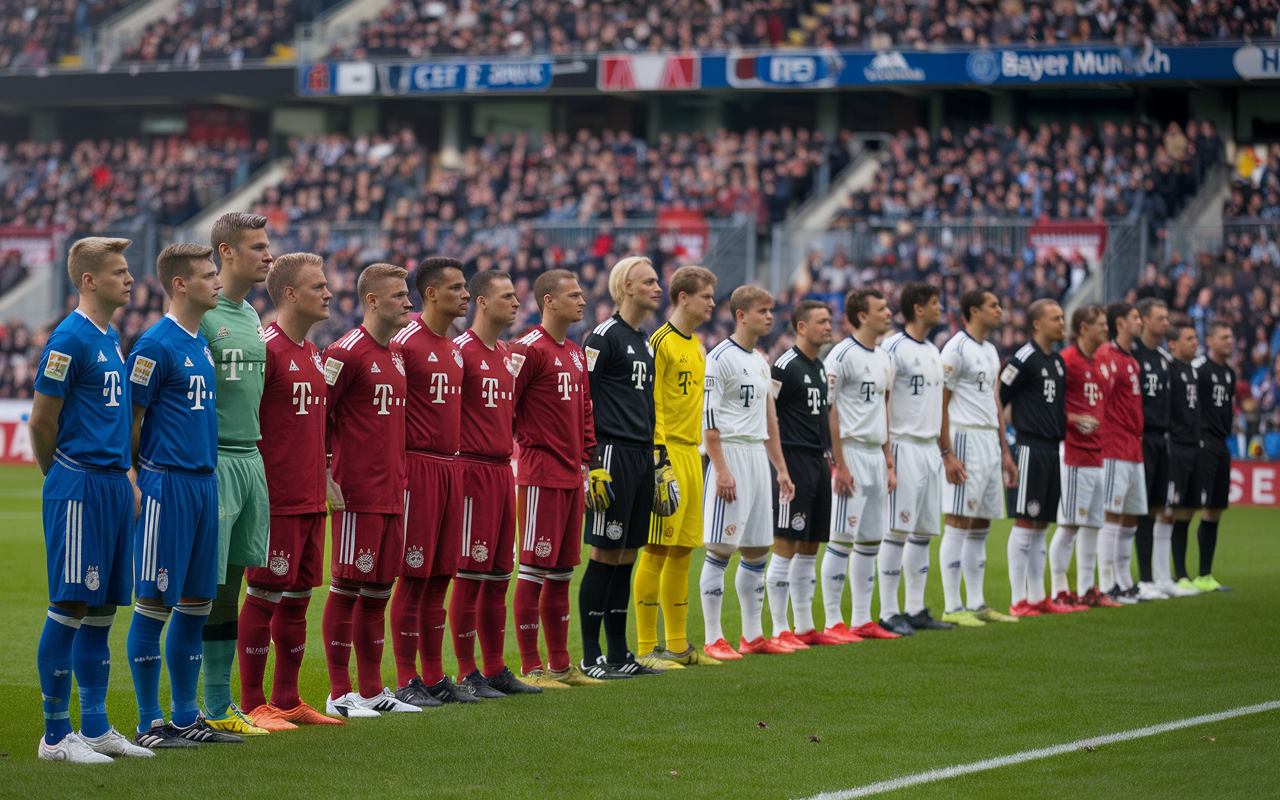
point(1217, 382)
point(740, 428)
point(973, 495)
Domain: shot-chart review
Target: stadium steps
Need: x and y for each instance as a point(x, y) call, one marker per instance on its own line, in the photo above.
point(33, 298)
point(1199, 227)
point(199, 227)
point(126, 28)
point(339, 25)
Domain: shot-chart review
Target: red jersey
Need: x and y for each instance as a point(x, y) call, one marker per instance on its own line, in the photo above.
point(433, 372)
point(292, 414)
point(488, 391)
point(366, 422)
point(1122, 382)
point(554, 425)
point(1084, 396)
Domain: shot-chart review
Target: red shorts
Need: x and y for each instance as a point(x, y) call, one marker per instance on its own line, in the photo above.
point(295, 557)
point(367, 547)
point(550, 526)
point(432, 515)
point(488, 517)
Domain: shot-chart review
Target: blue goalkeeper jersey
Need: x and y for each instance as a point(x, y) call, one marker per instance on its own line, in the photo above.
point(171, 375)
point(83, 365)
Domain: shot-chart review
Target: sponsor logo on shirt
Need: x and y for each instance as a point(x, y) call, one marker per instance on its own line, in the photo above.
point(222, 333)
point(293, 367)
point(57, 366)
point(142, 369)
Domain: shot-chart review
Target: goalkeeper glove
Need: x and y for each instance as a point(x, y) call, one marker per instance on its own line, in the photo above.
point(666, 492)
point(599, 486)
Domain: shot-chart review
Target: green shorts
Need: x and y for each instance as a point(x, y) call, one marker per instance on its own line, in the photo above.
point(244, 511)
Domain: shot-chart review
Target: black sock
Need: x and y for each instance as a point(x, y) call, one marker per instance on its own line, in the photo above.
point(1179, 544)
point(1207, 537)
point(593, 595)
point(615, 620)
point(1144, 537)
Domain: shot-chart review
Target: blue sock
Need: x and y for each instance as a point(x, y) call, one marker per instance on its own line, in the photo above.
point(143, 648)
point(53, 661)
point(183, 651)
point(92, 658)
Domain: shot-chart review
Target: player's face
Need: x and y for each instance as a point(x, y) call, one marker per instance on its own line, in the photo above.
point(312, 295)
point(645, 289)
point(1185, 346)
point(204, 284)
point(930, 313)
point(451, 295)
point(879, 318)
point(817, 328)
point(501, 303)
point(704, 301)
point(113, 283)
point(1131, 323)
point(989, 313)
point(1054, 323)
point(1157, 322)
point(566, 302)
point(391, 303)
point(253, 254)
point(758, 320)
point(1220, 343)
point(1094, 333)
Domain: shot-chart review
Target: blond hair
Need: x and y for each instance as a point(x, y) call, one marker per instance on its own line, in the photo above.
point(689, 280)
point(284, 273)
point(745, 298)
point(230, 228)
point(90, 255)
point(373, 276)
point(621, 273)
point(178, 261)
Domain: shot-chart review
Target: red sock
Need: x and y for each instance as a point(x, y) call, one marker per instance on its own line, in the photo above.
point(404, 628)
point(462, 621)
point(492, 628)
point(528, 591)
point(555, 623)
point(255, 645)
point(289, 632)
point(370, 635)
point(339, 609)
point(431, 626)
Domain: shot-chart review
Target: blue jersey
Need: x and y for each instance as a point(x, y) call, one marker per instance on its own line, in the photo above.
point(171, 372)
point(84, 367)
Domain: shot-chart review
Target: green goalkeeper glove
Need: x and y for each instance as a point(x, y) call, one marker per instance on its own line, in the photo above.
point(666, 492)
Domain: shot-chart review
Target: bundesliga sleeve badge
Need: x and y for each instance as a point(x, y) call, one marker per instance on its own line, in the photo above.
point(142, 369)
point(332, 367)
point(57, 365)
point(592, 355)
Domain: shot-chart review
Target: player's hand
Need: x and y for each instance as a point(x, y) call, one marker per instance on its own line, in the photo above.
point(1085, 424)
point(333, 495)
point(666, 491)
point(844, 481)
point(891, 479)
point(955, 469)
point(1010, 471)
point(599, 486)
point(137, 495)
point(726, 487)
point(786, 489)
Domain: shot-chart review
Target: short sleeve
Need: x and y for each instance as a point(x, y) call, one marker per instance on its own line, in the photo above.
point(1012, 378)
point(712, 392)
point(59, 364)
point(952, 367)
point(596, 349)
point(147, 365)
point(832, 368)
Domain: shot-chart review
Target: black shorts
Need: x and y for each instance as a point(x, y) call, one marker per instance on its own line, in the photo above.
point(1215, 475)
point(1155, 464)
point(1035, 498)
point(807, 517)
point(625, 523)
point(1184, 475)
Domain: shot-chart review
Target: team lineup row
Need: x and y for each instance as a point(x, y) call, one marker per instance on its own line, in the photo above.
point(211, 456)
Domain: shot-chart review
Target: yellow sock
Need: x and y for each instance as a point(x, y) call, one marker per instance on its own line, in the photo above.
point(674, 593)
point(645, 589)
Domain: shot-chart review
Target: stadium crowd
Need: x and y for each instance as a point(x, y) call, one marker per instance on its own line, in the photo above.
point(211, 30)
point(1255, 189)
point(34, 33)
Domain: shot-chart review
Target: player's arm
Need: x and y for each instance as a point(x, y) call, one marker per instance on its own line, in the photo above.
point(43, 427)
point(588, 423)
point(951, 367)
point(337, 379)
point(843, 481)
point(58, 370)
point(773, 446)
point(1006, 458)
point(659, 381)
point(890, 467)
point(712, 392)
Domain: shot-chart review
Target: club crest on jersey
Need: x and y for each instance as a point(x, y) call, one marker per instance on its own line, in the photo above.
point(797, 522)
point(577, 360)
point(119, 352)
point(222, 333)
point(209, 355)
point(91, 581)
point(592, 355)
point(142, 369)
point(514, 362)
point(162, 579)
point(279, 564)
point(479, 552)
point(457, 358)
point(57, 366)
point(315, 359)
point(543, 548)
point(730, 530)
point(613, 531)
point(1082, 512)
point(853, 522)
point(413, 557)
point(398, 360)
point(971, 504)
point(1059, 366)
point(1033, 508)
point(364, 561)
point(1119, 501)
point(262, 335)
point(905, 516)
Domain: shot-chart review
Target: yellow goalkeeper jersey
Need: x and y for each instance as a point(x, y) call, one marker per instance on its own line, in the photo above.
point(679, 367)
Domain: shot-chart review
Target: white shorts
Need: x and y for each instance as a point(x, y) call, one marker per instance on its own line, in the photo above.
point(748, 521)
point(1126, 487)
point(982, 495)
point(1082, 496)
point(916, 505)
point(864, 516)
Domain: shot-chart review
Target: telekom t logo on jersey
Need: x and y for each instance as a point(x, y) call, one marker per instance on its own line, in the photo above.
point(196, 392)
point(301, 397)
point(489, 391)
point(439, 386)
point(638, 369)
point(1092, 394)
point(231, 363)
point(111, 387)
point(564, 384)
point(382, 397)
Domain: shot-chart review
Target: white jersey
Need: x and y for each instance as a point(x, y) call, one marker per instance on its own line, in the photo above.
point(857, 379)
point(735, 392)
point(915, 404)
point(970, 369)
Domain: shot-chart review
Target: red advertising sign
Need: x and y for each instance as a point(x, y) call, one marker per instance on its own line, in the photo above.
point(1255, 483)
point(684, 234)
point(1071, 240)
point(38, 246)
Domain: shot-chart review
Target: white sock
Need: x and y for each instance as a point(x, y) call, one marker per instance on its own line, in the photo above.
point(712, 595)
point(1060, 548)
point(890, 563)
point(777, 584)
point(1161, 552)
point(915, 570)
point(1036, 555)
point(749, 581)
point(950, 557)
point(862, 582)
point(1124, 556)
point(1107, 537)
point(973, 563)
point(1018, 548)
point(835, 566)
point(1086, 558)
point(804, 584)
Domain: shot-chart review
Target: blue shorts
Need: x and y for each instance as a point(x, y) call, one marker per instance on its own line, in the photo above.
point(90, 554)
point(176, 538)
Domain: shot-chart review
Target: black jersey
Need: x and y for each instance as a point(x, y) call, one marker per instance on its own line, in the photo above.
point(1034, 383)
point(1184, 404)
point(1217, 390)
point(620, 363)
point(801, 386)
point(1155, 386)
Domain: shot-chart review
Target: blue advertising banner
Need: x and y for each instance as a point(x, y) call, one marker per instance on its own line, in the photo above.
point(426, 77)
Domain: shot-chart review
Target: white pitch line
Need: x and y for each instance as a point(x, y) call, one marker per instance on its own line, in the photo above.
point(1044, 752)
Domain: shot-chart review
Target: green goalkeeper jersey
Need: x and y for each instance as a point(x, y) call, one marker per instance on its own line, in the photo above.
point(239, 350)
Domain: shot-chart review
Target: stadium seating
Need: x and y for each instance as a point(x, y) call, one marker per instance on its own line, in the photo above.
point(35, 33)
point(213, 30)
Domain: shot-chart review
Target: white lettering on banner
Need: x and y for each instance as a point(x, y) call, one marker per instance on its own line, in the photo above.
point(436, 76)
point(1032, 67)
point(507, 75)
point(1083, 63)
point(1236, 493)
point(793, 69)
point(1264, 493)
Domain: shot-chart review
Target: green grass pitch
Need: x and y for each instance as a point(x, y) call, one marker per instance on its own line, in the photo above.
point(836, 717)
